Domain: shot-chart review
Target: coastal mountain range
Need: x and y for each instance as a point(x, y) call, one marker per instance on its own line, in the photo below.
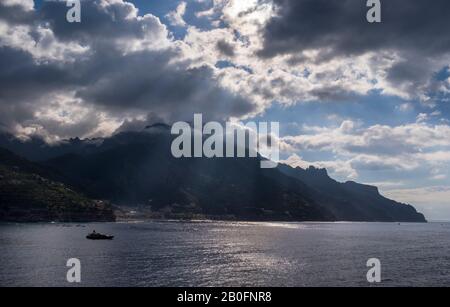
point(137, 169)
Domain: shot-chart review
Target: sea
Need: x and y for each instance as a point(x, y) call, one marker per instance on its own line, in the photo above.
point(231, 254)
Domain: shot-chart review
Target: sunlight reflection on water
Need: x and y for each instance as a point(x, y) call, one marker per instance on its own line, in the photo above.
point(211, 253)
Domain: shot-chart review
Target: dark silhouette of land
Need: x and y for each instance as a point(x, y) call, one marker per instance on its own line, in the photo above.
point(137, 169)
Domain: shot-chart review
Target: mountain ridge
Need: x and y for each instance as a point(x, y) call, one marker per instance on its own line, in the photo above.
point(137, 168)
point(351, 197)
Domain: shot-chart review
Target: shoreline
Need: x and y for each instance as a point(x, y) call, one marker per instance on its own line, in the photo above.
point(206, 220)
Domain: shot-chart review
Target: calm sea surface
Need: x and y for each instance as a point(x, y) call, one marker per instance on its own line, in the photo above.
point(226, 254)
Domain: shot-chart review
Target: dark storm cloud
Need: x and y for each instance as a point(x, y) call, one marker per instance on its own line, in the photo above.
point(22, 86)
point(22, 83)
point(409, 70)
point(15, 14)
point(340, 27)
point(21, 78)
point(225, 48)
point(413, 36)
point(107, 77)
point(147, 81)
point(333, 93)
point(102, 24)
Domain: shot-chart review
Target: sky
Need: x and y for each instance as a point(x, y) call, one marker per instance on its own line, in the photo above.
point(369, 102)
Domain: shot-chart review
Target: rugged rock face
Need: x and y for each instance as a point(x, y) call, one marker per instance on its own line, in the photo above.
point(29, 193)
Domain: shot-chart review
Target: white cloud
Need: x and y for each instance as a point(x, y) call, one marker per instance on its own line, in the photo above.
point(376, 148)
point(382, 139)
point(387, 184)
point(40, 42)
point(113, 68)
point(434, 201)
point(404, 107)
point(342, 169)
point(422, 117)
point(176, 17)
point(26, 4)
point(282, 79)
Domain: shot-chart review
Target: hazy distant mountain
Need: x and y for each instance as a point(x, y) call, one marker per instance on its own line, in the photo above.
point(137, 168)
point(352, 201)
point(29, 193)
